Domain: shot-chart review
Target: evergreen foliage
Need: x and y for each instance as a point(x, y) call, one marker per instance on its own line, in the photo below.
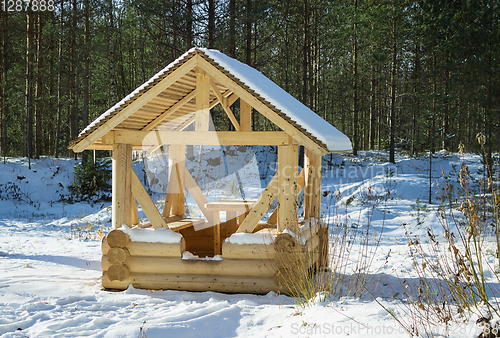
point(389, 74)
point(91, 181)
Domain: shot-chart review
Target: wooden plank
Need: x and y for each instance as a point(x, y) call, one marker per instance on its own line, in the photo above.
point(136, 104)
point(231, 223)
point(202, 101)
point(245, 116)
point(184, 223)
point(298, 135)
point(121, 185)
point(169, 111)
point(288, 189)
point(175, 198)
point(222, 102)
point(202, 138)
point(260, 207)
point(231, 99)
point(312, 192)
point(176, 160)
point(134, 217)
point(300, 184)
point(217, 238)
point(230, 205)
point(146, 203)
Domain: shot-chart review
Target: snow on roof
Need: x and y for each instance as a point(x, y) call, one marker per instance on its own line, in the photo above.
point(255, 80)
point(290, 106)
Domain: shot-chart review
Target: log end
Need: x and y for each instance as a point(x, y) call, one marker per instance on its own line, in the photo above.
point(117, 255)
point(119, 272)
point(118, 239)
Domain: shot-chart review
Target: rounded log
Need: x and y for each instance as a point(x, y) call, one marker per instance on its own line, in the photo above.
point(157, 249)
point(226, 267)
point(284, 242)
point(150, 249)
point(309, 231)
point(189, 282)
point(118, 272)
point(104, 245)
point(115, 284)
point(117, 255)
point(118, 239)
point(247, 251)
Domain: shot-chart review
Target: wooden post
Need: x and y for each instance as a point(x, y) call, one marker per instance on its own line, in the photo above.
point(312, 189)
point(245, 116)
point(287, 186)
point(174, 204)
point(202, 101)
point(122, 185)
point(312, 200)
point(217, 239)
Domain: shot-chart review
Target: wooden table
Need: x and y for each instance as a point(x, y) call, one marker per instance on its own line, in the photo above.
point(236, 211)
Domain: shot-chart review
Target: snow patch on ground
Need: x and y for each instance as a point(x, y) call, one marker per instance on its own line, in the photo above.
point(50, 255)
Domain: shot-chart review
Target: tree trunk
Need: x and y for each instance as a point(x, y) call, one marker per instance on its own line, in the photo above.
point(355, 122)
point(393, 94)
point(72, 78)
point(59, 83)
point(232, 28)
point(86, 72)
point(38, 88)
point(248, 33)
point(3, 73)
point(416, 99)
point(211, 23)
point(189, 24)
point(29, 86)
point(305, 51)
point(111, 47)
point(372, 109)
point(50, 109)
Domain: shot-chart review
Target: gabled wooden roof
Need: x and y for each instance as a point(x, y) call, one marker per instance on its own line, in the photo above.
point(167, 102)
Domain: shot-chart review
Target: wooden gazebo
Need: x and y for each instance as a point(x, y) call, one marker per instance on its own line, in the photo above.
point(243, 248)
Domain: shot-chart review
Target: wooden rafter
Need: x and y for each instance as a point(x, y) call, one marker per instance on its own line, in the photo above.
point(170, 111)
point(260, 207)
point(224, 105)
point(146, 203)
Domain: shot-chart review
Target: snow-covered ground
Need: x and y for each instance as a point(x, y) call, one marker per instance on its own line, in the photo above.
point(50, 258)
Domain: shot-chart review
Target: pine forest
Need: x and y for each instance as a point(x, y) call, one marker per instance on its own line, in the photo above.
point(412, 76)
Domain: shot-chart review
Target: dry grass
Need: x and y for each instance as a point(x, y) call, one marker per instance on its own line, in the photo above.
point(458, 277)
point(331, 263)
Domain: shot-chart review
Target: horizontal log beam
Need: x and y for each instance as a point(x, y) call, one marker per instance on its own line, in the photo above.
point(178, 266)
point(150, 249)
point(203, 137)
point(229, 284)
